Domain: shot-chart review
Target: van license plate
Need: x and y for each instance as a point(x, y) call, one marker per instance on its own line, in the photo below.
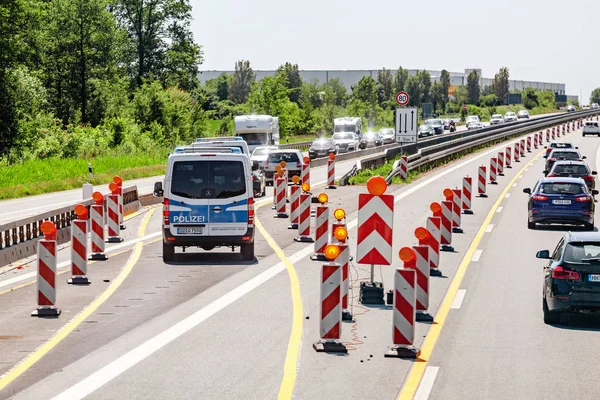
point(197, 231)
point(594, 278)
point(561, 202)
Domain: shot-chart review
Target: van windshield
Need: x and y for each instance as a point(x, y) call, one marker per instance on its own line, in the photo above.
point(255, 138)
point(194, 179)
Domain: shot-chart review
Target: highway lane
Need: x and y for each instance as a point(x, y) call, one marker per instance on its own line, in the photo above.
point(495, 344)
point(241, 344)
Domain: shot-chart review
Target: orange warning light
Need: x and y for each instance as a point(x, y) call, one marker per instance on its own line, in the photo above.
point(448, 192)
point(295, 179)
point(283, 164)
point(435, 207)
point(48, 228)
point(332, 252)
point(280, 172)
point(278, 167)
point(81, 211)
point(305, 187)
point(331, 156)
point(117, 179)
point(113, 187)
point(407, 254)
point(98, 198)
point(306, 160)
point(421, 233)
point(323, 198)
point(339, 214)
point(376, 186)
point(340, 233)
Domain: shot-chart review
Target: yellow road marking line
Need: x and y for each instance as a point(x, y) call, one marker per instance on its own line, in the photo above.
point(293, 350)
point(41, 351)
point(413, 379)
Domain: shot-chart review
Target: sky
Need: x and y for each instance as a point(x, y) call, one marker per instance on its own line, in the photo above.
point(538, 40)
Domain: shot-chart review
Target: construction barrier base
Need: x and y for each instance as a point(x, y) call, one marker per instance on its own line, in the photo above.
point(435, 272)
point(457, 230)
point(331, 187)
point(273, 208)
point(79, 280)
point(98, 257)
point(318, 257)
point(411, 352)
point(347, 315)
point(508, 166)
point(114, 239)
point(329, 346)
point(468, 212)
point(422, 316)
point(304, 239)
point(123, 227)
point(315, 199)
point(371, 293)
point(281, 215)
point(483, 195)
point(445, 247)
point(493, 183)
point(46, 312)
point(293, 226)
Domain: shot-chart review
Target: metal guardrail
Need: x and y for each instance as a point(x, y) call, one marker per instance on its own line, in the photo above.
point(296, 146)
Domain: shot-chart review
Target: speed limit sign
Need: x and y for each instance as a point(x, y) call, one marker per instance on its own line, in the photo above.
point(402, 98)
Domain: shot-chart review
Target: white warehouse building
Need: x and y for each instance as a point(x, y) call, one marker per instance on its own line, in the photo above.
point(351, 77)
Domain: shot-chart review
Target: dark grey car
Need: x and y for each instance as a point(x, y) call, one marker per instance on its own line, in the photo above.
point(437, 125)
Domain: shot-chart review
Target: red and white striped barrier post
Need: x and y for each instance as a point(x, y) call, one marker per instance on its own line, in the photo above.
point(375, 235)
point(304, 215)
point(432, 240)
point(79, 249)
point(331, 171)
point(321, 228)
point(467, 190)
point(421, 266)
point(295, 190)
point(522, 148)
point(344, 260)
point(305, 172)
point(481, 181)
point(330, 323)
point(119, 182)
point(554, 133)
point(281, 198)
point(517, 156)
point(446, 228)
point(500, 164)
point(112, 205)
point(493, 169)
point(97, 228)
point(404, 314)
point(568, 128)
point(548, 134)
point(563, 129)
point(535, 140)
point(279, 173)
point(529, 143)
point(508, 157)
point(455, 195)
point(404, 167)
point(541, 139)
point(46, 273)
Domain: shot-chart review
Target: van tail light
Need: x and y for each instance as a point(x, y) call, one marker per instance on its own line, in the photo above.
point(251, 211)
point(583, 199)
point(166, 212)
point(561, 272)
point(539, 197)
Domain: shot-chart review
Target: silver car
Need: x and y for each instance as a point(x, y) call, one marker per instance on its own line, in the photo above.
point(388, 135)
point(496, 119)
point(510, 117)
point(523, 114)
point(261, 153)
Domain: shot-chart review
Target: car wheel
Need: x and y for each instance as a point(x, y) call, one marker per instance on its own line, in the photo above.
point(531, 225)
point(583, 134)
point(168, 252)
point(550, 317)
point(247, 251)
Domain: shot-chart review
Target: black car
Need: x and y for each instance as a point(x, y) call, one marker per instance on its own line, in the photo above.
point(322, 147)
point(371, 139)
point(259, 184)
point(571, 276)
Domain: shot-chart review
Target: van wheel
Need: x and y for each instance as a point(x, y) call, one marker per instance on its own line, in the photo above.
point(168, 252)
point(247, 251)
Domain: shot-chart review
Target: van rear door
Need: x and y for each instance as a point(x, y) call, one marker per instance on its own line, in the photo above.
point(188, 202)
point(230, 187)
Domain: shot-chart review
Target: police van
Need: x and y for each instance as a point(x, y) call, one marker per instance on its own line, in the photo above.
point(227, 141)
point(208, 200)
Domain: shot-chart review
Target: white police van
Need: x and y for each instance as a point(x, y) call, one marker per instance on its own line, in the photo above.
point(208, 200)
point(227, 141)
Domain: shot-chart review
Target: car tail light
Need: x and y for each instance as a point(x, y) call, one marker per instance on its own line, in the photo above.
point(583, 199)
point(266, 165)
point(251, 211)
point(539, 197)
point(588, 178)
point(166, 212)
point(561, 272)
point(552, 159)
point(253, 178)
point(550, 175)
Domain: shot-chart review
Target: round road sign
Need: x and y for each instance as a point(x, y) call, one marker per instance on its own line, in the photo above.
point(402, 98)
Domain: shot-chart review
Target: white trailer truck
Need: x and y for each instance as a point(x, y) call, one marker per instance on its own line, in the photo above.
point(257, 130)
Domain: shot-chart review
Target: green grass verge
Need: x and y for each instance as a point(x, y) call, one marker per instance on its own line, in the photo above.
point(55, 174)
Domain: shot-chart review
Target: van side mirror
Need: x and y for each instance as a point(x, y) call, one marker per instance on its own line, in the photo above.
point(595, 192)
point(254, 165)
point(527, 190)
point(158, 189)
point(594, 173)
point(583, 158)
point(544, 254)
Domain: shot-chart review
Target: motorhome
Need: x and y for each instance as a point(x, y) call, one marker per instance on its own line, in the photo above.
point(257, 130)
point(344, 126)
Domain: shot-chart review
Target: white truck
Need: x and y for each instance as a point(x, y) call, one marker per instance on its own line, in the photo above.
point(257, 130)
point(343, 126)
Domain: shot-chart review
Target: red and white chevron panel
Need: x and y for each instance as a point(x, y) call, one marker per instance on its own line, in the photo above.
point(446, 222)
point(375, 224)
point(535, 139)
point(404, 307)
point(493, 169)
point(321, 229)
point(404, 167)
point(522, 147)
point(114, 228)
point(467, 190)
point(295, 191)
point(508, 157)
point(46, 280)
point(97, 229)
point(120, 194)
point(529, 144)
point(421, 267)
point(305, 174)
point(500, 163)
point(481, 181)
point(304, 218)
point(434, 225)
point(344, 259)
point(548, 134)
point(331, 173)
point(517, 152)
point(79, 261)
point(330, 325)
point(281, 198)
point(456, 208)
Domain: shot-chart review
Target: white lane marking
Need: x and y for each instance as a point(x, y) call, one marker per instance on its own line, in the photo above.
point(507, 195)
point(458, 299)
point(67, 263)
point(131, 358)
point(489, 228)
point(515, 184)
point(426, 383)
point(499, 209)
point(520, 176)
point(476, 255)
point(526, 169)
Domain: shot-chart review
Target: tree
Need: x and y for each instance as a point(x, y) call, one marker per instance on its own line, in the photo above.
point(425, 82)
point(445, 82)
point(365, 90)
point(473, 88)
point(437, 95)
point(335, 92)
point(161, 40)
point(501, 83)
point(530, 99)
point(243, 77)
point(223, 82)
point(294, 81)
point(400, 79)
point(595, 97)
point(385, 79)
point(414, 89)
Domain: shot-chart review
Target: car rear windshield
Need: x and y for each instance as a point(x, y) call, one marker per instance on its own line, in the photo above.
point(561, 188)
point(591, 124)
point(567, 155)
point(343, 136)
point(323, 143)
point(571, 169)
point(208, 179)
point(561, 145)
point(261, 151)
point(279, 157)
point(582, 252)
